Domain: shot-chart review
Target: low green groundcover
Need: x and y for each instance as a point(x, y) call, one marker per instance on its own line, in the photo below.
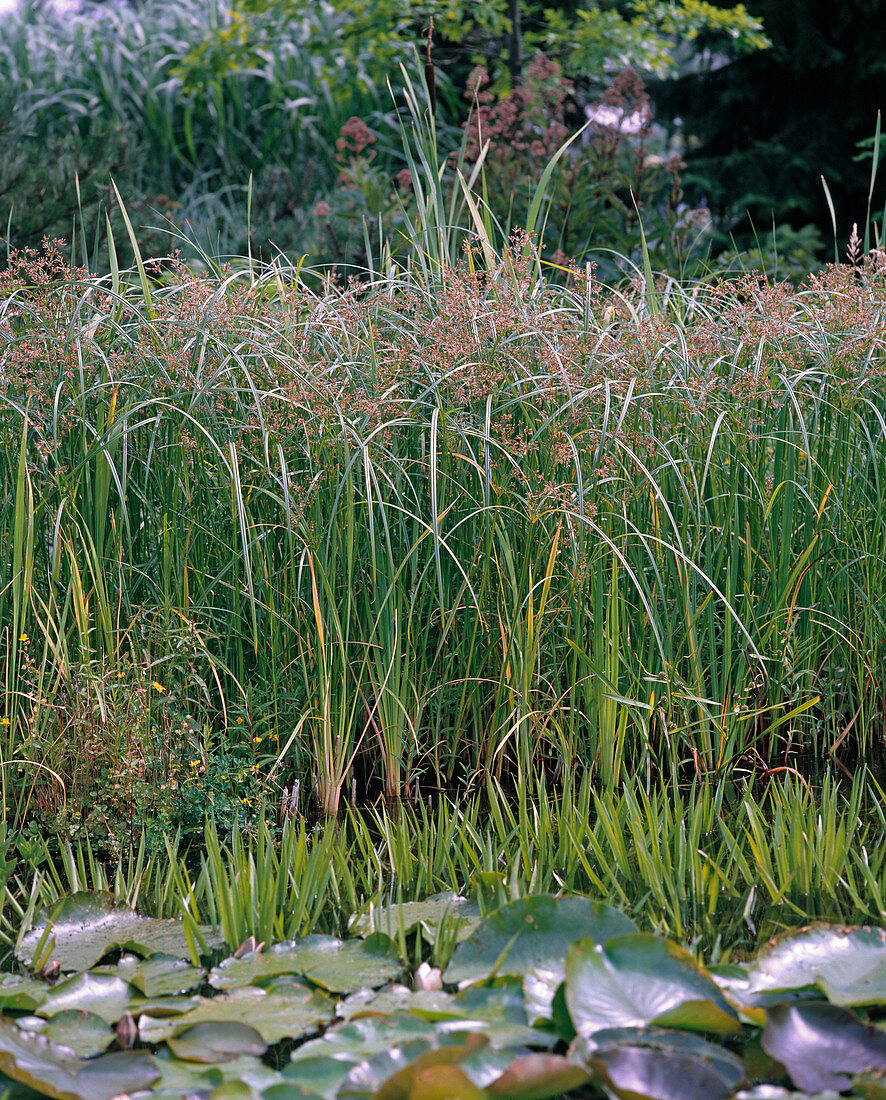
point(544, 997)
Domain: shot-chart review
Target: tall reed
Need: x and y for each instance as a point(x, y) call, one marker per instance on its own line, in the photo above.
point(447, 524)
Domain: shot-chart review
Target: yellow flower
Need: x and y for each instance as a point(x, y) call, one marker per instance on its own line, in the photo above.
point(4, 721)
point(23, 637)
point(275, 736)
point(159, 688)
point(256, 740)
point(240, 720)
point(194, 763)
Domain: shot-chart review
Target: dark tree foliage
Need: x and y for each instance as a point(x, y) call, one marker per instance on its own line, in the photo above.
point(769, 125)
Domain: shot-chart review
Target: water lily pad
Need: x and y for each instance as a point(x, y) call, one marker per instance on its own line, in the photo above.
point(157, 976)
point(637, 980)
point(54, 1071)
point(822, 1046)
point(644, 1073)
point(161, 1006)
point(86, 926)
point(533, 933)
point(847, 964)
point(85, 1033)
point(287, 1009)
point(319, 1076)
point(179, 1078)
point(394, 1070)
point(216, 1041)
point(361, 1038)
point(497, 1011)
point(456, 912)
point(337, 965)
point(728, 1065)
point(536, 1076)
point(20, 994)
point(102, 994)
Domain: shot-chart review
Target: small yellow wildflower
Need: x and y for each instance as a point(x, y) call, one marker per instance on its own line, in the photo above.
point(256, 740)
point(23, 637)
point(275, 736)
point(4, 721)
point(159, 688)
point(194, 763)
point(240, 720)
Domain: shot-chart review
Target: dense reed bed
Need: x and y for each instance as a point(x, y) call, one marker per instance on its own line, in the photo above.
point(275, 536)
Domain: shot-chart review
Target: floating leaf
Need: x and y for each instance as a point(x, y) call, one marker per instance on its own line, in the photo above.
point(216, 1041)
point(358, 1039)
point(643, 1073)
point(287, 1009)
point(536, 1076)
point(337, 965)
point(161, 1006)
point(822, 1046)
point(636, 980)
point(20, 994)
point(684, 1043)
point(54, 1071)
point(533, 933)
point(847, 964)
point(86, 926)
point(498, 1011)
point(179, 1078)
point(102, 994)
point(157, 976)
point(390, 1074)
point(452, 910)
point(85, 1033)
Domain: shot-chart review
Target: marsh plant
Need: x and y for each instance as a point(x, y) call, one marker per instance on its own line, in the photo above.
point(400, 536)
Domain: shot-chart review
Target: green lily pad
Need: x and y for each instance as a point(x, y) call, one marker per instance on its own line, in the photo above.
point(216, 1041)
point(54, 1071)
point(644, 1073)
point(85, 1033)
point(161, 1006)
point(536, 1076)
point(497, 1011)
point(286, 1009)
point(360, 1038)
point(102, 994)
point(20, 994)
point(86, 926)
point(822, 1046)
point(847, 964)
point(337, 965)
point(318, 1075)
point(157, 976)
point(179, 1078)
point(452, 910)
point(728, 1065)
point(235, 1090)
point(395, 1069)
point(533, 934)
point(637, 980)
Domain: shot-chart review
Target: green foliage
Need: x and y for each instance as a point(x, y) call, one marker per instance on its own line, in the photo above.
point(403, 536)
point(649, 38)
point(620, 1011)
